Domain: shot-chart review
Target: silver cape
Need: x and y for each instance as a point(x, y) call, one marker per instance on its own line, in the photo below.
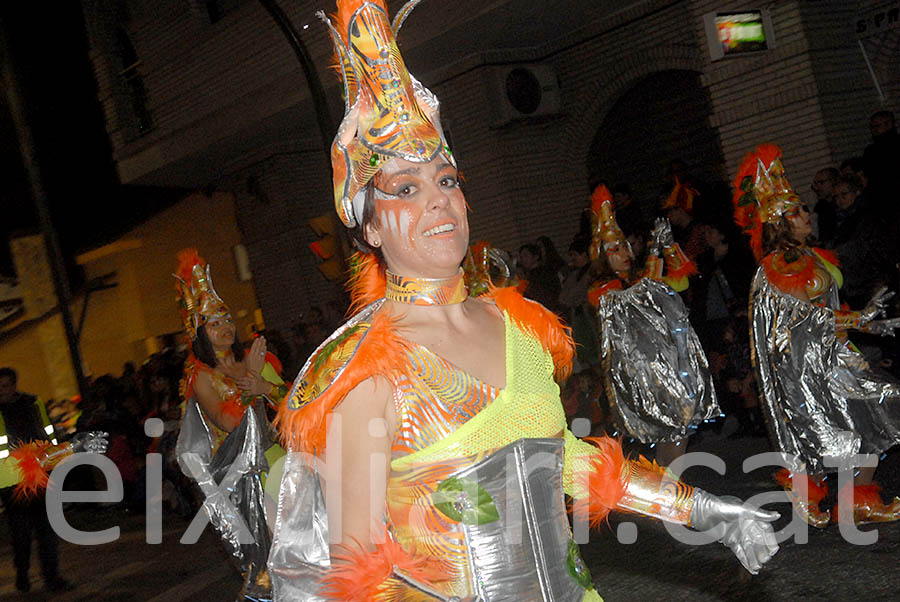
point(656, 373)
point(231, 482)
point(820, 397)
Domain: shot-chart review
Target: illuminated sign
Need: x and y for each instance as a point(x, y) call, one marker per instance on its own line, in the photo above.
point(736, 33)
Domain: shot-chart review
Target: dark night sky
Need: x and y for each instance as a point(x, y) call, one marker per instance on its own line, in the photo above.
point(50, 53)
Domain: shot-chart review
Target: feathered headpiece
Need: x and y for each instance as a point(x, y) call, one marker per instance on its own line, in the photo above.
point(762, 193)
point(606, 232)
point(387, 112)
point(682, 196)
point(197, 298)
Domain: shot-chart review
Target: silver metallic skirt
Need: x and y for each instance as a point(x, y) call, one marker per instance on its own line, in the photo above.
point(821, 399)
point(656, 373)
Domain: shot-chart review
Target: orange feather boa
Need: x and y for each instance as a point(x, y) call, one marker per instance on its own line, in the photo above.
point(34, 476)
point(363, 575)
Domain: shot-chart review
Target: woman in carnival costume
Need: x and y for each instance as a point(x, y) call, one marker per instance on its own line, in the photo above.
point(431, 418)
point(225, 436)
point(823, 403)
point(657, 376)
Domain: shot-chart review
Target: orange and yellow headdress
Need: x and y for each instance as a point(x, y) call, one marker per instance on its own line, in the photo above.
point(762, 193)
point(197, 298)
point(603, 218)
point(681, 196)
point(387, 112)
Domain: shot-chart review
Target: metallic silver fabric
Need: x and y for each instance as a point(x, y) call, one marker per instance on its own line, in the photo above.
point(524, 554)
point(235, 468)
point(656, 372)
point(821, 398)
point(300, 556)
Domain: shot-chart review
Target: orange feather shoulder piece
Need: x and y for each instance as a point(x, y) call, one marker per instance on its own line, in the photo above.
point(366, 346)
point(789, 274)
point(34, 476)
point(541, 323)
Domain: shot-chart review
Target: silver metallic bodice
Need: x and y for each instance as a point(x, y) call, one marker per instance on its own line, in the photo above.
point(526, 552)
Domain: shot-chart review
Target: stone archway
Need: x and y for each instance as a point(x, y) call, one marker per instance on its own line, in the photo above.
point(661, 117)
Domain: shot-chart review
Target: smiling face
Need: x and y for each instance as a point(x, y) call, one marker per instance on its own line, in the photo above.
point(220, 331)
point(420, 218)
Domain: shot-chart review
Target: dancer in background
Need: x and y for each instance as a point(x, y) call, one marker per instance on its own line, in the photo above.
point(225, 435)
point(657, 377)
point(432, 418)
point(821, 398)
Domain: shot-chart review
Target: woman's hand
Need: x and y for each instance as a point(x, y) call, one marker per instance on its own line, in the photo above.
point(254, 384)
point(256, 358)
point(232, 368)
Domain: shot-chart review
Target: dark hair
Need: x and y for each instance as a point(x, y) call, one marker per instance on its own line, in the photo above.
point(856, 164)
point(548, 251)
point(883, 115)
point(852, 182)
point(531, 248)
point(833, 173)
point(580, 244)
point(358, 233)
point(7, 372)
point(621, 188)
point(204, 351)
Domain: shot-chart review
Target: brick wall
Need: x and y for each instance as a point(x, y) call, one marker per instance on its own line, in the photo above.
point(811, 95)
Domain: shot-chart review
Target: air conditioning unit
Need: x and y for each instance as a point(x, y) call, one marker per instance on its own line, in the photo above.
point(522, 91)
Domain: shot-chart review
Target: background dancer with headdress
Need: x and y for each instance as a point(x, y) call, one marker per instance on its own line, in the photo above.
point(822, 400)
point(656, 375)
point(225, 435)
point(432, 418)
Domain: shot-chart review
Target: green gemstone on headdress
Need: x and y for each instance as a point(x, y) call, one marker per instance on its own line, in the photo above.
point(373, 160)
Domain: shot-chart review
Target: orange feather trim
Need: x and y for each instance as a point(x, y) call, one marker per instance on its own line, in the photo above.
point(542, 324)
point(34, 476)
point(815, 490)
point(368, 283)
point(233, 407)
point(362, 575)
point(790, 277)
point(828, 256)
point(866, 495)
point(606, 482)
point(746, 215)
point(600, 196)
point(186, 260)
point(688, 268)
point(598, 289)
point(381, 353)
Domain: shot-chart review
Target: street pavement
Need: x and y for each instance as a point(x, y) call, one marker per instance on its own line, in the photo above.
point(654, 567)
